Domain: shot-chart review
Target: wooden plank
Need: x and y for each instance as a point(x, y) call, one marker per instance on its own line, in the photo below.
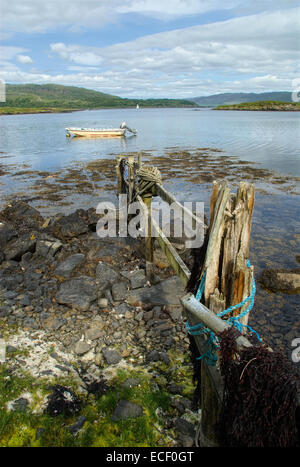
point(175, 260)
point(149, 240)
point(170, 199)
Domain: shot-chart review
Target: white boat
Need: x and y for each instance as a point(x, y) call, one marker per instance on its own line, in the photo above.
point(100, 132)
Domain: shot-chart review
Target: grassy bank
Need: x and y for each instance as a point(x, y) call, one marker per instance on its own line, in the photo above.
point(262, 106)
point(34, 98)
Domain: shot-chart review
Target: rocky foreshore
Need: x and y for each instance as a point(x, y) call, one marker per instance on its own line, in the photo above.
point(81, 307)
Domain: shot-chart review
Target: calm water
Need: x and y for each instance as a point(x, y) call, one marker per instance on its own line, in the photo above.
point(271, 140)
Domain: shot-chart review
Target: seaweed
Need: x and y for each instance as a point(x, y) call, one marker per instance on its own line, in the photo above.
point(260, 396)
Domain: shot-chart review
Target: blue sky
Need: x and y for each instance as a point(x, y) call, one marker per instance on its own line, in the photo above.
point(152, 48)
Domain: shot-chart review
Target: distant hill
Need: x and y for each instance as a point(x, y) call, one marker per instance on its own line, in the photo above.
point(238, 98)
point(55, 97)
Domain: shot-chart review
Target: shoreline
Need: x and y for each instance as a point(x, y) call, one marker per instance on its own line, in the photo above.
point(50, 111)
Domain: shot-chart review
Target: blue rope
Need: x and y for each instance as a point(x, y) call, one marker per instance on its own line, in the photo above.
point(213, 342)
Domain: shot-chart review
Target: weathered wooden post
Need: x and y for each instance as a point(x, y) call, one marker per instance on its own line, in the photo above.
point(119, 175)
point(149, 240)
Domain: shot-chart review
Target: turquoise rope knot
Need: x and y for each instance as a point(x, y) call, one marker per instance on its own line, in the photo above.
point(210, 355)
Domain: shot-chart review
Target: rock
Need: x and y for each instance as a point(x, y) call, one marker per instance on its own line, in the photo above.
point(106, 274)
point(137, 278)
point(7, 233)
point(281, 280)
point(153, 356)
point(102, 302)
point(46, 247)
point(22, 215)
point(94, 332)
point(81, 348)
point(130, 383)
point(65, 268)
point(77, 425)
point(165, 293)
point(122, 309)
point(184, 427)
point(174, 388)
point(119, 291)
point(20, 404)
point(125, 410)
point(17, 248)
point(78, 292)
point(68, 226)
point(111, 356)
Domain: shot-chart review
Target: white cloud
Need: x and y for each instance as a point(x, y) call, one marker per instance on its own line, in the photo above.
point(259, 42)
point(250, 53)
point(24, 59)
point(36, 16)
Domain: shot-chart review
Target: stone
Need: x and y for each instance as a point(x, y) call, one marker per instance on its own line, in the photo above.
point(184, 427)
point(281, 280)
point(111, 356)
point(174, 388)
point(46, 248)
point(166, 292)
point(77, 425)
point(7, 233)
point(106, 274)
point(81, 348)
point(125, 410)
point(94, 332)
point(119, 291)
point(20, 404)
point(137, 278)
point(65, 268)
point(102, 302)
point(17, 248)
point(130, 383)
point(78, 292)
point(20, 213)
point(68, 226)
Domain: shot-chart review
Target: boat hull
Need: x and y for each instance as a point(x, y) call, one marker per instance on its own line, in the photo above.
point(98, 133)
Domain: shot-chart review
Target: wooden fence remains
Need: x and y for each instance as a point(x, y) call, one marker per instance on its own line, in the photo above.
point(228, 275)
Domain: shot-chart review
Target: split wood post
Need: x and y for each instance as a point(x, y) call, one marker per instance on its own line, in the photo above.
point(228, 278)
point(130, 160)
point(149, 240)
point(119, 175)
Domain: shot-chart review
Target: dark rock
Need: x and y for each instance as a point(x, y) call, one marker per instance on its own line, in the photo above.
point(130, 383)
point(17, 248)
point(68, 226)
point(125, 410)
point(22, 216)
point(119, 291)
point(106, 274)
point(2, 256)
point(111, 356)
point(4, 311)
point(164, 293)
point(184, 427)
point(77, 425)
point(281, 280)
point(7, 233)
point(65, 268)
point(46, 248)
point(20, 404)
point(78, 292)
point(174, 388)
point(153, 356)
point(137, 278)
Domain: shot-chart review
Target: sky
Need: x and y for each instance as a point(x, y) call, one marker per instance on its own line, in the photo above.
point(152, 48)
